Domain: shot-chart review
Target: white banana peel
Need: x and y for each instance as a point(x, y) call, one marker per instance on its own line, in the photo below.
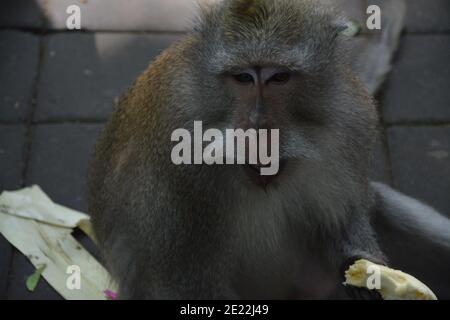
point(42, 231)
point(391, 284)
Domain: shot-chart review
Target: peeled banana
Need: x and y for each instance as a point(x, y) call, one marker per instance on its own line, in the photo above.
point(391, 284)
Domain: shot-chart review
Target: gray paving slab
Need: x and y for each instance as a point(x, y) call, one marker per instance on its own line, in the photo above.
point(418, 87)
point(83, 74)
point(21, 13)
point(428, 16)
point(60, 155)
point(420, 158)
point(19, 55)
point(12, 139)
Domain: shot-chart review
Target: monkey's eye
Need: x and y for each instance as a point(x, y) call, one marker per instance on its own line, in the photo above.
point(280, 78)
point(245, 78)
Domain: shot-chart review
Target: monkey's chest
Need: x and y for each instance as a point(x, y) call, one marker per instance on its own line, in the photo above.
point(274, 262)
point(281, 271)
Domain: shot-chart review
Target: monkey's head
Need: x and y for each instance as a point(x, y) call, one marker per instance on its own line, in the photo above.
point(267, 64)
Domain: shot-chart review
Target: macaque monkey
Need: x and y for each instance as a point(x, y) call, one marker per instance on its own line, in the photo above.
point(171, 231)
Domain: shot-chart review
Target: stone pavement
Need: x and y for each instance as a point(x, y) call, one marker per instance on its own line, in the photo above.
point(57, 88)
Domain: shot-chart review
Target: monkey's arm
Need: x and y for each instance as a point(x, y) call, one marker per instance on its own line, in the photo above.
point(343, 248)
point(358, 242)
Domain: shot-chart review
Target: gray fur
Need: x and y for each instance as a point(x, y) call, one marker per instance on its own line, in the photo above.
point(206, 232)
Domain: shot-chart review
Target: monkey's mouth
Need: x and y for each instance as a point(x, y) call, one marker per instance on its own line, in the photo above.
point(253, 171)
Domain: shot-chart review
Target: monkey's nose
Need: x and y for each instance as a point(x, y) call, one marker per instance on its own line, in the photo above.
point(257, 117)
point(257, 120)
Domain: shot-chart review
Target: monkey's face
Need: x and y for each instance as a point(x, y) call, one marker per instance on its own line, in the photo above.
point(277, 67)
point(313, 110)
point(259, 96)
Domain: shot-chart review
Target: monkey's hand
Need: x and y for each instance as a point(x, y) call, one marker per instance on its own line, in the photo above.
point(391, 284)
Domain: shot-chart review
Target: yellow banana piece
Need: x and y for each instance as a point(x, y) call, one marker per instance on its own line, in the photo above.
point(391, 284)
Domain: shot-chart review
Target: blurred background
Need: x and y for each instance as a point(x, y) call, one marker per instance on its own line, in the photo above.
point(58, 87)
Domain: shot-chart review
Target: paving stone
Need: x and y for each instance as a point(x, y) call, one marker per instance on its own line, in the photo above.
point(19, 54)
point(420, 159)
point(12, 138)
point(84, 73)
point(428, 16)
point(59, 159)
point(418, 87)
point(162, 15)
point(21, 13)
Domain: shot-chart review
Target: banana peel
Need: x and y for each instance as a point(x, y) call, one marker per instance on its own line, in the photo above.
point(42, 231)
point(391, 284)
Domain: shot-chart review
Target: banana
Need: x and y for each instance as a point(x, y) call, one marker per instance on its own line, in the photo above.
point(391, 284)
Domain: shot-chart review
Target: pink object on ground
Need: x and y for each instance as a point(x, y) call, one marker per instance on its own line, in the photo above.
point(110, 294)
